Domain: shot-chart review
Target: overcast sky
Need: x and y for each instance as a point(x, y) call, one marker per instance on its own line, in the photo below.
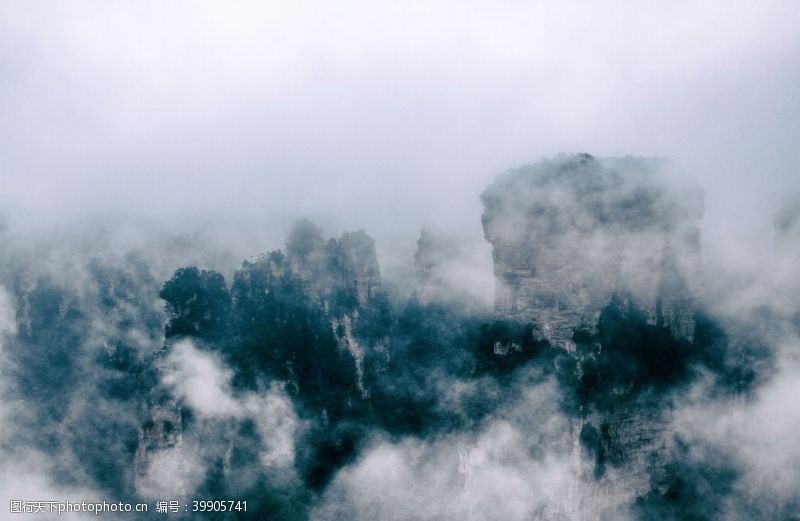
point(386, 115)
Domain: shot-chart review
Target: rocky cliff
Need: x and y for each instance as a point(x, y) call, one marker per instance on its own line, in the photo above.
point(341, 271)
point(430, 266)
point(287, 315)
point(576, 240)
point(569, 233)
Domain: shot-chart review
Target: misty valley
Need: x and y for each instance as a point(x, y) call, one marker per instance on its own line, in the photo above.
point(603, 383)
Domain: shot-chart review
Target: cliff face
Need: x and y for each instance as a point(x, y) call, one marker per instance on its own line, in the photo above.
point(337, 269)
point(161, 433)
point(275, 300)
point(339, 276)
point(433, 251)
point(577, 240)
point(570, 233)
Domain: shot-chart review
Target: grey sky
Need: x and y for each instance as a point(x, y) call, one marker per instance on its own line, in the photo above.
point(386, 115)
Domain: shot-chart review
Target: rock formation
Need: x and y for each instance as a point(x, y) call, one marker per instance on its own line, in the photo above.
point(160, 433)
point(570, 236)
point(433, 251)
point(337, 278)
point(570, 233)
point(344, 268)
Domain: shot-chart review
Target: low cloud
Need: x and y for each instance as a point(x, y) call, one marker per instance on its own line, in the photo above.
point(202, 382)
point(758, 435)
point(513, 467)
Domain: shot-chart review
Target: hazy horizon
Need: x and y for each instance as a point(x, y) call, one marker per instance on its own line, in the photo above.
point(383, 117)
point(571, 336)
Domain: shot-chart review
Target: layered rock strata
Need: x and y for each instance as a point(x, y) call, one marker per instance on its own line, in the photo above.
point(569, 233)
point(568, 236)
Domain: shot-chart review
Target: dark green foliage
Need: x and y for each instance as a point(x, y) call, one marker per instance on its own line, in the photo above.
point(270, 310)
point(504, 345)
point(275, 330)
point(376, 320)
point(279, 333)
point(628, 356)
point(326, 448)
point(44, 351)
point(430, 345)
point(125, 376)
point(82, 381)
point(297, 319)
point(198, 304)
point(127, 293)
point(349, 258)
point(325, 374)
point(640, 354)
point(104, 442)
